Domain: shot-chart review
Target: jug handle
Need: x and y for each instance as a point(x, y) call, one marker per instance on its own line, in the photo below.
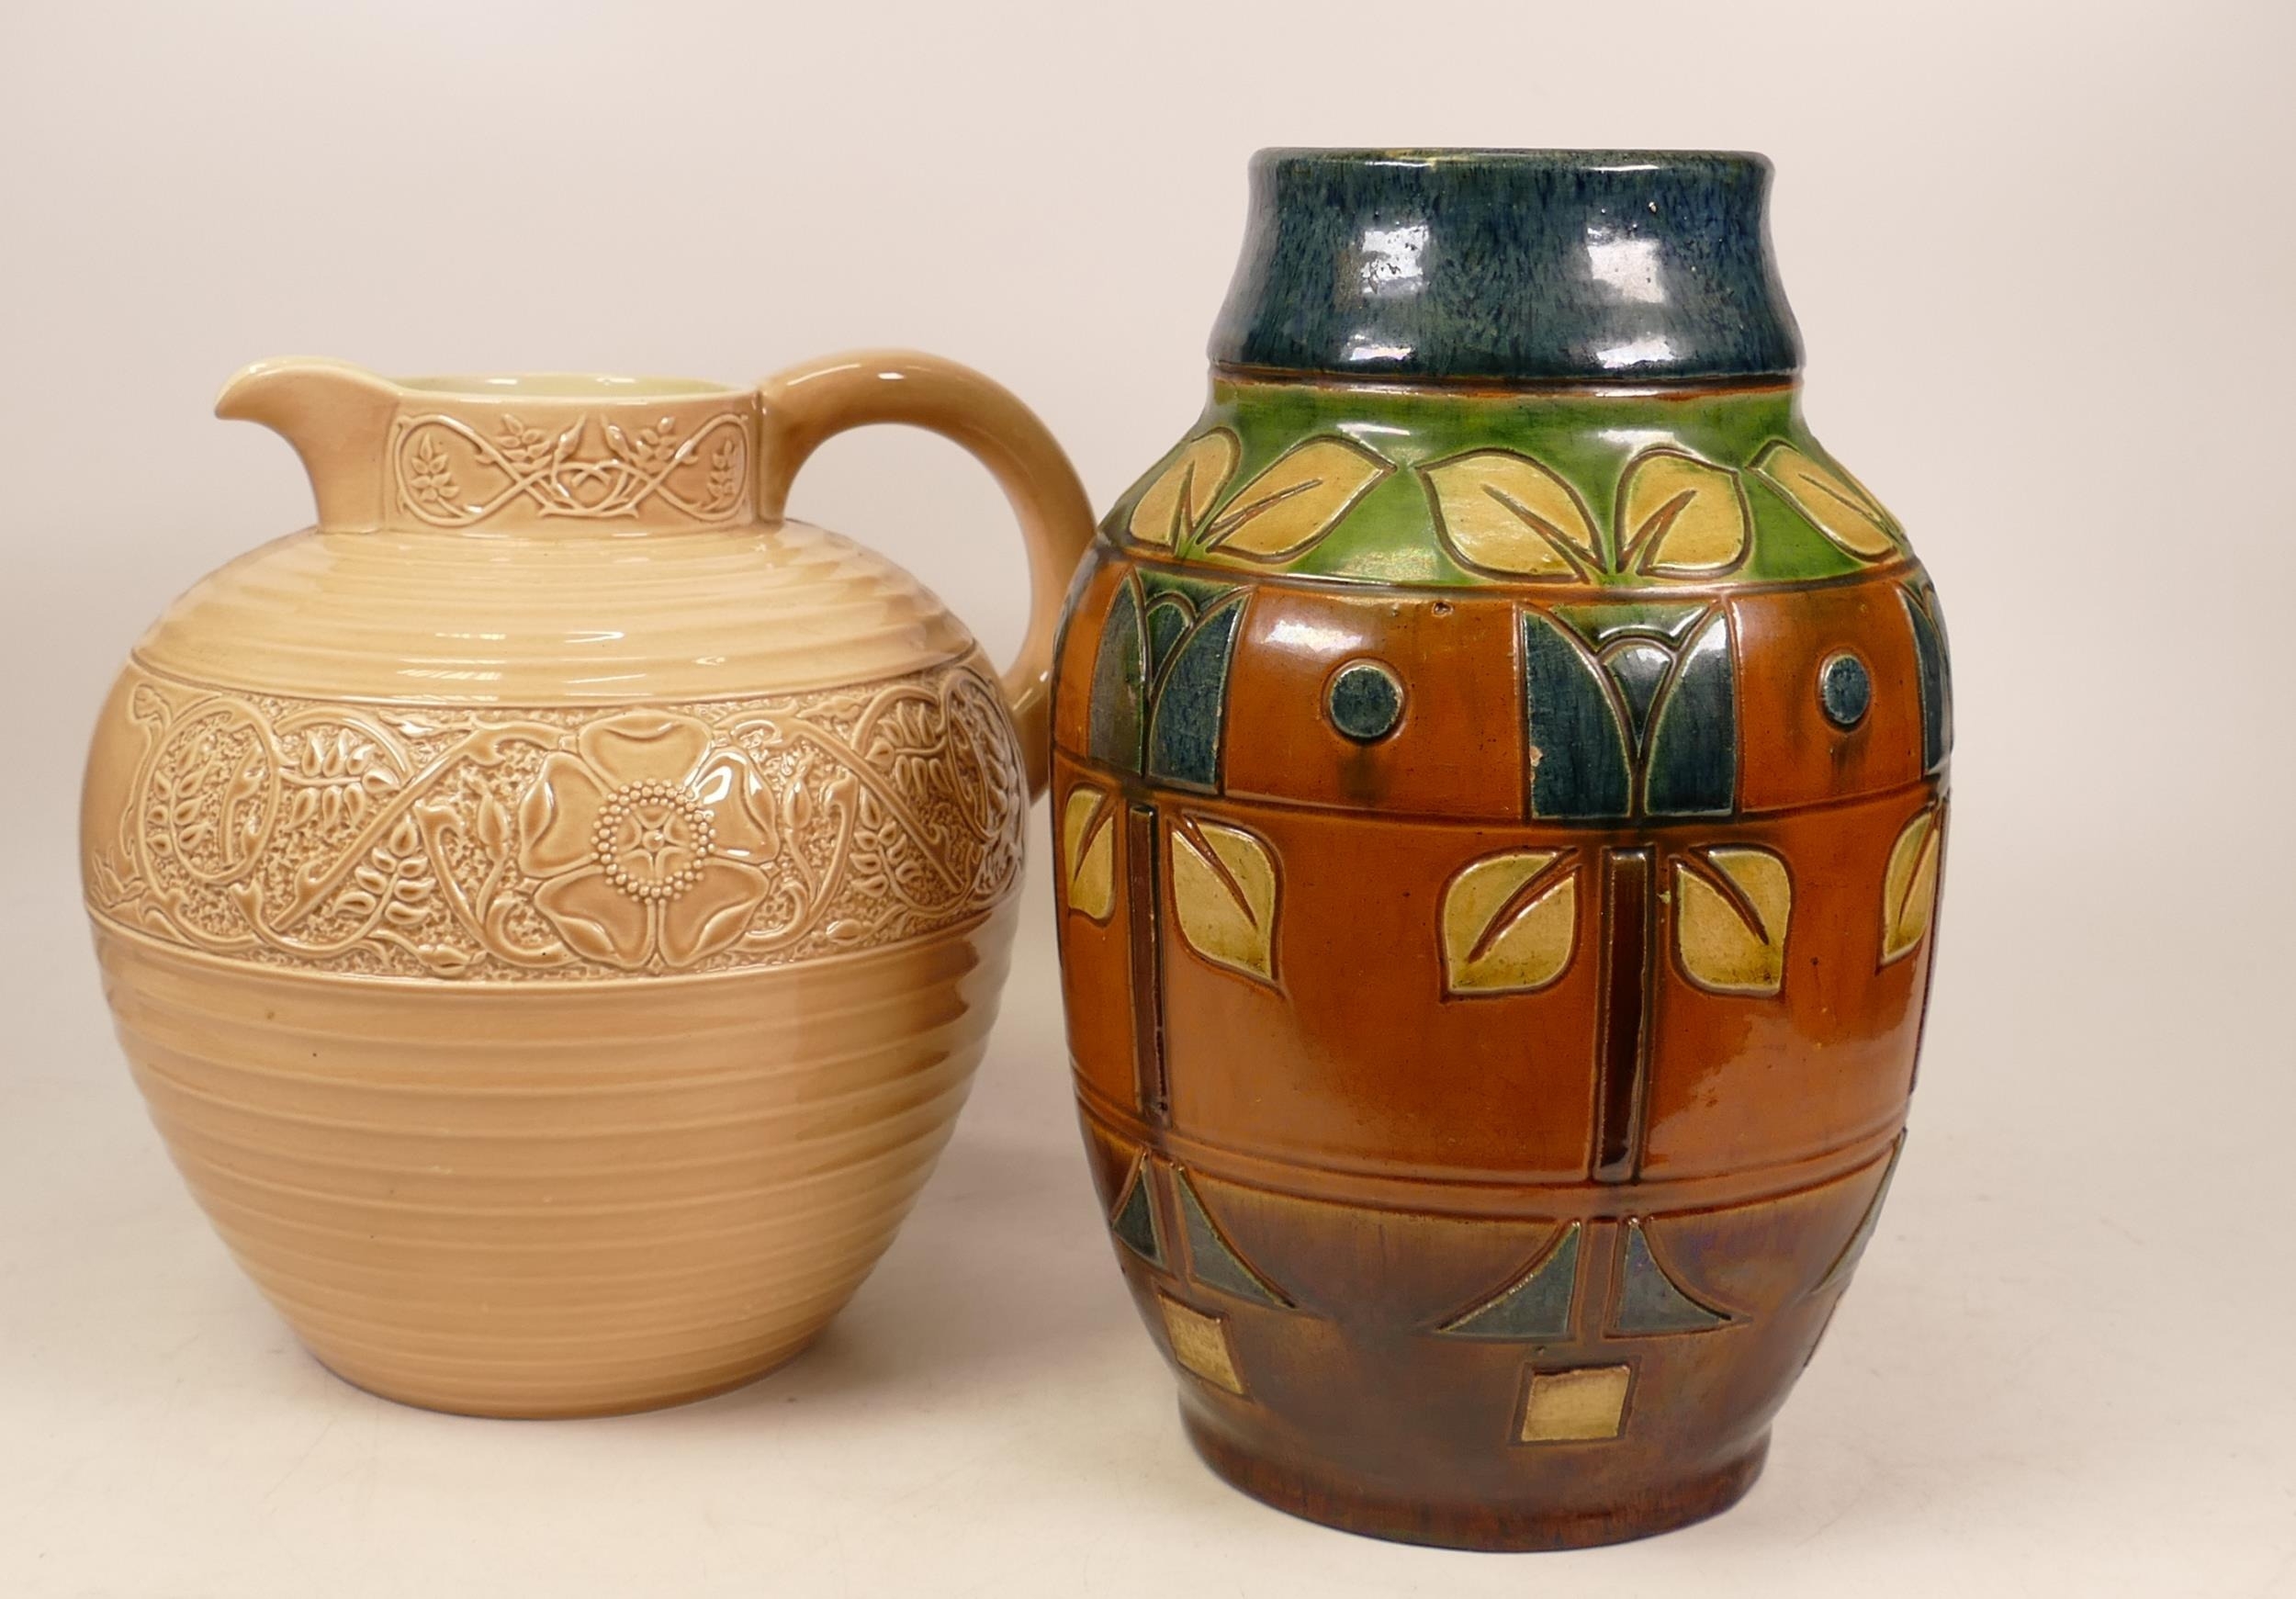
point(801, 409)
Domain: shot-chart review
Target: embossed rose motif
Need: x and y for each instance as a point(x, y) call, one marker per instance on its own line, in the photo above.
point(648, 841)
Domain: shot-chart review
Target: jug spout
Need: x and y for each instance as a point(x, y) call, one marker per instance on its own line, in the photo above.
point(338, 418)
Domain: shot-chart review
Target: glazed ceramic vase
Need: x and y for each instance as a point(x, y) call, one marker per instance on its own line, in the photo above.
point(1499, 780)
point(554, 906)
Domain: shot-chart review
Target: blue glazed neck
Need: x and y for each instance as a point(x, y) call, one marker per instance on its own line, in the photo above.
point(1509, 264)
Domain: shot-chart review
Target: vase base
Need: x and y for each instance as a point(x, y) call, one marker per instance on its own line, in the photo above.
point(1318, 1497)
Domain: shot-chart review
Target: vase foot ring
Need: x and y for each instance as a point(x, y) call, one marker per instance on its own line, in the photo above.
point(1477, 1525)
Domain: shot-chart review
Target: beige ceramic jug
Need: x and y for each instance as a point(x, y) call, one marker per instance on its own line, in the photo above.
point(554, 906)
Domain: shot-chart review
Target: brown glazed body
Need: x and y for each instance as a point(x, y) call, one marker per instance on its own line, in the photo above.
point(1500, 810)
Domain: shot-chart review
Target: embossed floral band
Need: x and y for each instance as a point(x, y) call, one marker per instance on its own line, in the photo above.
point(486, 843)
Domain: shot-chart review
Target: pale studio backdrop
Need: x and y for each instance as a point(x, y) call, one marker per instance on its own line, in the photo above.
point(2042, 256)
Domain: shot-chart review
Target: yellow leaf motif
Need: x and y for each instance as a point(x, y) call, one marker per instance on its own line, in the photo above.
point(1835, 503)
point(1510, 922)
point(1224, 886)
point(1909, 884)
point(1730, 929)
point(1505, 512)
point(1185, 491)
point(1297, 500)
point(1088, 849)
point(1681, 517)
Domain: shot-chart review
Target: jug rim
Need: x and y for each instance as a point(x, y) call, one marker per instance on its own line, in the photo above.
point(568, 385)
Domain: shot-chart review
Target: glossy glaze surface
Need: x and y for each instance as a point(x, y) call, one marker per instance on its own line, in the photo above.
point(553, 905)
point(1500, 830)
point(1465, 263)
point(613, 1196)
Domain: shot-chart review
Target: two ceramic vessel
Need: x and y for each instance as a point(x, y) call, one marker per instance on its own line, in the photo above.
point(1499, 791)
point(553, 905)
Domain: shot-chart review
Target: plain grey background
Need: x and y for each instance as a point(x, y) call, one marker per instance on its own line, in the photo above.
point(2042, 257)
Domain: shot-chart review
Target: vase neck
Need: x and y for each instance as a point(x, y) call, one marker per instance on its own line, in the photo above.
point(1509, 266)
